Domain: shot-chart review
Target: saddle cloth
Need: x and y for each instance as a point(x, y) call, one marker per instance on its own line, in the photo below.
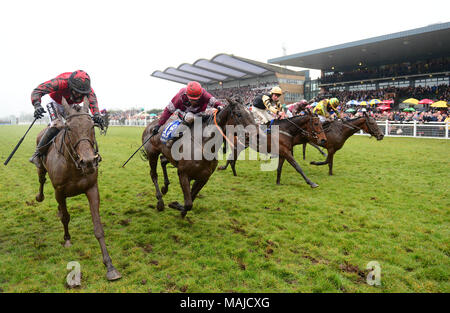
point(170, 129)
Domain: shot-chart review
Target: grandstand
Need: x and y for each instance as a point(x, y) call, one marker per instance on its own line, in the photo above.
point(226, 75)
point(417, 58)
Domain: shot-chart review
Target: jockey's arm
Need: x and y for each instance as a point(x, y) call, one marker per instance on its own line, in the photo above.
point(93, 104)
point(43, 89)
point(168, 111)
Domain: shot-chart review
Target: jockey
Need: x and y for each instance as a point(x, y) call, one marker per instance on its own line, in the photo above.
point(73, 87)
point(297, 107)
point(270, 102)
point(190, 100)
point(325, 106)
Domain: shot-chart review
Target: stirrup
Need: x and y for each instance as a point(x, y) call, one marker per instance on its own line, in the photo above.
point(36, 159)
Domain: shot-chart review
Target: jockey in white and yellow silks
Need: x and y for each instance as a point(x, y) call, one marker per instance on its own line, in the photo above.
point(324, 107)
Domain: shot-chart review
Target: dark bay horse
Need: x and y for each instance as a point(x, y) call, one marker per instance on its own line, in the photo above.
point(307, 126)
point(72, 165)
point(339, 131)
point(191, 168)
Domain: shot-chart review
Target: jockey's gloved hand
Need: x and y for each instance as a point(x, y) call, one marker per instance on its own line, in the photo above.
point(38, 111)
point(155, 130)
point(98, 120)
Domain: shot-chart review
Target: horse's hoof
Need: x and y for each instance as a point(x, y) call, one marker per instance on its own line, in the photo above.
point(175, 205)
point(67, 244)
point(160, 206)
point(164, 189)
point(312, 163)
point(221, 168)
point(40, 197)
point(314, 185)
point(113, 275)
point(183, 213)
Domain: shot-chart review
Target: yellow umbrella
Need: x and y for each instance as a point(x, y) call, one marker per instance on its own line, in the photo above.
point(411, 101)
point(374, 102)
point(439, 104)
point(362, 103)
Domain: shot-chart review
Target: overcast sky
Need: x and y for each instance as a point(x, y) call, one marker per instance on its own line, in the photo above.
point(120, 43)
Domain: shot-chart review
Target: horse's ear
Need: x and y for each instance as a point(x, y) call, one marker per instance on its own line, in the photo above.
point(65, 105)
point(86, 104)
point(230, 101)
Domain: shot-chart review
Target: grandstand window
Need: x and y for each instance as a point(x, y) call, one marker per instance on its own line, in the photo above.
point(403, 83)
point(291, 81)
point(362, 87)
point(292, 97)
point(431, 82)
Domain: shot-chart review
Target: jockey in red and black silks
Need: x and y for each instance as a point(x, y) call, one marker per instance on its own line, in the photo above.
point(73, 86)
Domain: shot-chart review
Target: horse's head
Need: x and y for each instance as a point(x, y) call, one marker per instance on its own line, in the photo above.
point(238, 113)
point(315, 130)
point(371, 127)
point(80, 137)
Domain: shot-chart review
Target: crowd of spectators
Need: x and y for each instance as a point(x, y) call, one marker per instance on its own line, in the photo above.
point(402, 117)
point(393, 70)
point(245, 93)
point(437, 93)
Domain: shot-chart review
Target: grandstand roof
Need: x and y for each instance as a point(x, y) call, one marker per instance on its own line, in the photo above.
point(421, 43)
point(221, 68)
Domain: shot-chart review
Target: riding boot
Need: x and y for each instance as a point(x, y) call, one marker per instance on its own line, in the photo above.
point(172, 140)
point(42, 146)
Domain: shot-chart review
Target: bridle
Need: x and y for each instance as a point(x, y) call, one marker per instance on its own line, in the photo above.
point(368, 124)
point(314, 134)
point(233, 115)
point(71, 148)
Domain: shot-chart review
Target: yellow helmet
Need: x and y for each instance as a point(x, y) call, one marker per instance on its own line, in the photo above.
point(276, 90)
point(334, 102)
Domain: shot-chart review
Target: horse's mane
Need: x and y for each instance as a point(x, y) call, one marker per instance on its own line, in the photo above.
point(353, 119)
point(283, 121)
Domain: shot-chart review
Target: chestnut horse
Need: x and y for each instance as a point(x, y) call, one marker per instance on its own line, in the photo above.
point(190, 169)
point(307, 126)
point(72, 165)
point(339, 131)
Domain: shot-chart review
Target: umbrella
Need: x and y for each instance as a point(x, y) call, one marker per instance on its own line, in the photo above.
point(426, 101)
point(363, 103)
point(439, 104)
point(384, 107)
point(352, 102)
point(153, 114)
point(313, 104)
point(374, 102)
point(411, 101)
point(350, 110)
point(387, 101)
point(409, 110)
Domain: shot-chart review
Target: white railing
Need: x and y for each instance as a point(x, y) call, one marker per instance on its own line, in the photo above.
point(413, 129)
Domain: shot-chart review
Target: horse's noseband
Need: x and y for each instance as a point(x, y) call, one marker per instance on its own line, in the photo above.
point(71, 148)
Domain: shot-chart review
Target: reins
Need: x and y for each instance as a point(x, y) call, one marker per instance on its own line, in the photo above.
point(221, 132)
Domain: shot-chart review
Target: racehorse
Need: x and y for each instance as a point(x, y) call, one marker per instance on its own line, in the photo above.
point(307, 126)
point(72, 165)
point(339, 131)
point(189, 168)
point(104, 129)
